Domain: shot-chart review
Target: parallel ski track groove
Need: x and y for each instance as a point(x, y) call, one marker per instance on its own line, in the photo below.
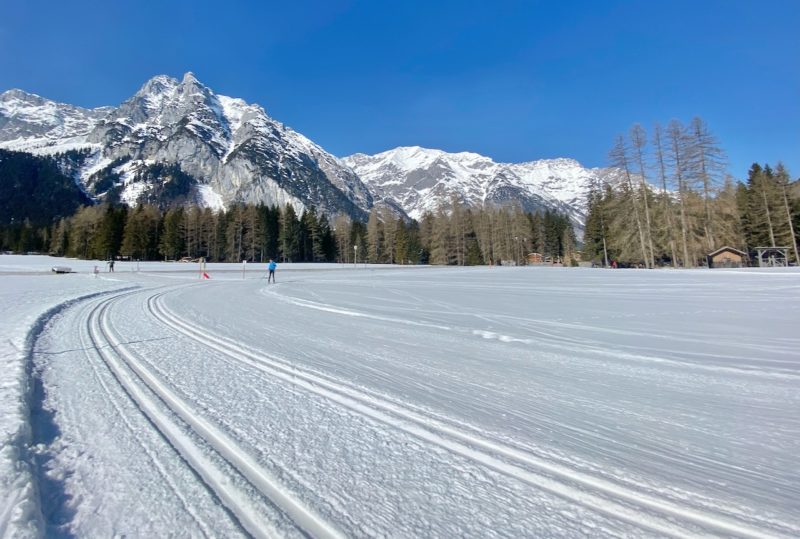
point(84, 335)
point(121, 359)
point(665, 516)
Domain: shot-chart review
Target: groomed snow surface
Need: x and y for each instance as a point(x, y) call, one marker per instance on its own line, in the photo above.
point(397, 402)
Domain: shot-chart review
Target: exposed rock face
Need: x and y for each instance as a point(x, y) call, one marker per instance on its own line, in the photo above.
point(29, 122)
point(421, 180)
point(233, 150)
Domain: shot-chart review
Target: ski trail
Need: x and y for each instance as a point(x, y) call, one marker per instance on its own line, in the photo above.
point(620, 502)
point(91, 349)
point(554, 341)
point(349, 312)
point(205, 468)
point(119, 360)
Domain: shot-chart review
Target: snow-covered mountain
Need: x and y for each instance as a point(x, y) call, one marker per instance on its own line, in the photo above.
point(229, 150)
point(421, 180)
point(178, 141)
point(30, 123)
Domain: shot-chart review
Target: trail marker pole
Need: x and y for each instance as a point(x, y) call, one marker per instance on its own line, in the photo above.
point(203, 273)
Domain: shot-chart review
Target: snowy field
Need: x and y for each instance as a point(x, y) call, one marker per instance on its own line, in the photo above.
point(397, 402)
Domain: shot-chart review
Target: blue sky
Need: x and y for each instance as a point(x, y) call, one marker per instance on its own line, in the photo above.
point(516, 81)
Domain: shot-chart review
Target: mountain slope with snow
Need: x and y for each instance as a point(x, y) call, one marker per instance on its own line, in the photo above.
point(29, 122)
point(233, 150)
point(228, 151)
point(422, 180)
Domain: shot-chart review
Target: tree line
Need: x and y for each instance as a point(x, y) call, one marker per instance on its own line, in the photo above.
point(672, 202)
point(456, 235)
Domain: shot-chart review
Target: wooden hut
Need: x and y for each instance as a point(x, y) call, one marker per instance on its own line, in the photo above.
point(534, 258)
point(727, 257)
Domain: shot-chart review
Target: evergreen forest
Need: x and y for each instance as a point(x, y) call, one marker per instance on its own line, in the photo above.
point(256, 233)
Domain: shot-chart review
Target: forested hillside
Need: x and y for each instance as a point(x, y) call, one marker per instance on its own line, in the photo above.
point(34, 188)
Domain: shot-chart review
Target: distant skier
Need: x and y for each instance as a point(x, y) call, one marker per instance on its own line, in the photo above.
point(271, 268)
point(111, 265)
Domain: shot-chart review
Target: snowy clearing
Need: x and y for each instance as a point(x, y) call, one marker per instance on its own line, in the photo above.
point(397, 401)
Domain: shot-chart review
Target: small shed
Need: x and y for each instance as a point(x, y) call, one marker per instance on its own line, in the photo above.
point(772, 257)
point(727, 257)
point(534, 258)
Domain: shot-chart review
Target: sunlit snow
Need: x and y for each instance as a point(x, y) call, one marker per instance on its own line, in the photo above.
point(397, 401)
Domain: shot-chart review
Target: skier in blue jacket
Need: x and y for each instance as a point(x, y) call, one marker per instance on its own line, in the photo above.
point(271, 268)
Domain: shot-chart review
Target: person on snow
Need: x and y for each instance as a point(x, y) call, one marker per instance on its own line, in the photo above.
point(271, 268)
point(111, 265)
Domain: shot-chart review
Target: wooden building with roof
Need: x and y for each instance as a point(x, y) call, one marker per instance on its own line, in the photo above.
point(727, 257)
point(534, 258)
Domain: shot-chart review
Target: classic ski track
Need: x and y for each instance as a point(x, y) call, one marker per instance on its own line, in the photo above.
point(84, 336)
point(556, 341)
point(141, 380)
point(552, 477)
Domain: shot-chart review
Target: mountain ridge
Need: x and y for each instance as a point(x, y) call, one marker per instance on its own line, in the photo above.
point(425, 180)
point(232, 152)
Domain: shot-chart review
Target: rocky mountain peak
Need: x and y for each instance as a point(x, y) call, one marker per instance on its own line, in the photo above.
point(227, 151)
point(15, 94)
point(189, 78)
point(230, 151)
point(29, 122)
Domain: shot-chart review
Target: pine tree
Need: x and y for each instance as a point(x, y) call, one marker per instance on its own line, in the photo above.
point(172, 241)
point(313, 232)
point(342, 231)
point(358, 237)
point(665, 201)
point(272, 219)
point(327, 241)
point(619, 159)
point(402, 242)
point(389, 242)
point(134, 235)
point(458, 230)
point(706, 165)
point(442, 252)
point(234, 234)
point(595, 245)
point(107, 237)
point(678, 158)
point(483, 223)
point(83, 226)
point(782, 180)
point(639, 140)
point(374, 237)
point(763, 204)
point(726, 221)
point(59, 238)
point(289, 234)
